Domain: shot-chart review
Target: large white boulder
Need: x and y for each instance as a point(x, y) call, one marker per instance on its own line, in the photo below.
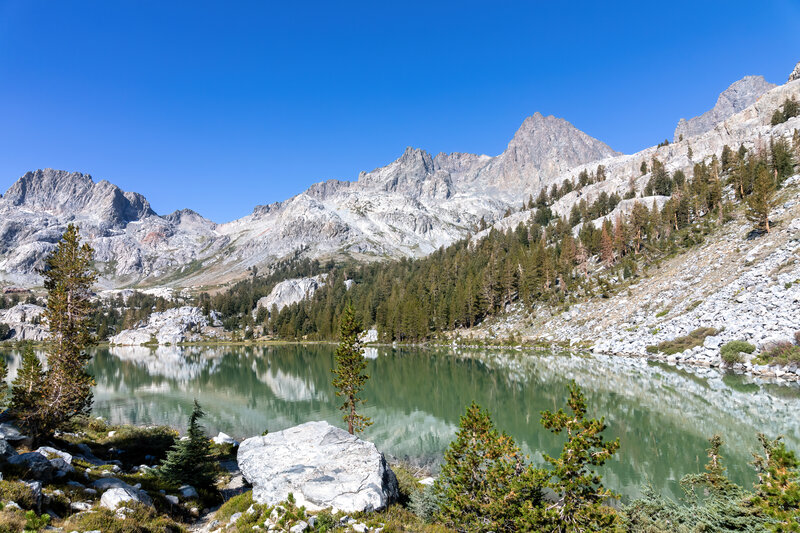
point(112, 498)
point(321, 465)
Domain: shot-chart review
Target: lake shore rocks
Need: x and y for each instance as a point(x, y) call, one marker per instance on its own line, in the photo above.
point(321, 465)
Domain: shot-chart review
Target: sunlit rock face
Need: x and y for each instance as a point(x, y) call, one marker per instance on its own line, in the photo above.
point(321, 465)
point(735, 98)
point(25, 322)
point(173, 326)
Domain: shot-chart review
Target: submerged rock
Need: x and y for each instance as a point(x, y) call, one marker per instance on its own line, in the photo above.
point(321, 465)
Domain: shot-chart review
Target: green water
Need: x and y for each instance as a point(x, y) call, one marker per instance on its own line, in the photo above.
point(662, 415)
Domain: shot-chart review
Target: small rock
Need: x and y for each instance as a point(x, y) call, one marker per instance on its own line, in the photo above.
point(235, 517)
point(358, 527)
point(172, 499)
point(298, 527)
point(188, 492)
point(223, 438)
point(80, 506)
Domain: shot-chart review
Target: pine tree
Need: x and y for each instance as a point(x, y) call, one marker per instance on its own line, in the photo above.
point(26, 395)
point(606, 246)
point(3, 386)
point(578, 487)
point(66, 390)
point(484, 483)
point(349, 377)
point(189, 461)
point(778, 487)
point(760, 202)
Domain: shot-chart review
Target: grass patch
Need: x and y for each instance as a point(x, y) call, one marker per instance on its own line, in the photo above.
point(694, 305)
point(681, 344)
point(237, 504)
point(732, 352)
point(780, 353)
point(19, 492)
point(141, 520)
point(661, 313)
point(12, 520)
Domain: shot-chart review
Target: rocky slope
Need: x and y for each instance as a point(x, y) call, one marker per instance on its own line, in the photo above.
point(746, 289)
point(735, 98)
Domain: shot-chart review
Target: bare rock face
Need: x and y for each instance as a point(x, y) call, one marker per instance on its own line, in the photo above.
point(173, 326)
point(734, 99)
point(291, 291)
point(25, 322)
point(795, 75)
point(321, 465)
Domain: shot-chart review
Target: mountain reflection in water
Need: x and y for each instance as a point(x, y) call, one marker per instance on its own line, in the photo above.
point(662, 414)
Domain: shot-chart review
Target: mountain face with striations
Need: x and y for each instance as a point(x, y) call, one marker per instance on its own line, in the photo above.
point(735, 98)
point(408, 208)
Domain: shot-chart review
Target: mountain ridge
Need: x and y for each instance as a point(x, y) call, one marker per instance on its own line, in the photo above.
point(407, 208)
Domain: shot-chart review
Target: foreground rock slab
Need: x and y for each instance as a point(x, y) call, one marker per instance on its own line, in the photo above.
point(321, 465)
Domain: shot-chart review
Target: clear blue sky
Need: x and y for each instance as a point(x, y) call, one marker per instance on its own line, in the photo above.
point(220, 106)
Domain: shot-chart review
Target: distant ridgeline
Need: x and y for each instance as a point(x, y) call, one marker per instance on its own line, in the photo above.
point(544, 259)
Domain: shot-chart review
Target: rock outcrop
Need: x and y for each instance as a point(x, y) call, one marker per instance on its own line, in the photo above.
point(173, 326)
point(321, 465)
point(795, 75)
point(291, 291)
point(25, 322)
point(734, 99)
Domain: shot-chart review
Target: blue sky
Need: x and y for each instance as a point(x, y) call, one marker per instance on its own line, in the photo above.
point(220, 106)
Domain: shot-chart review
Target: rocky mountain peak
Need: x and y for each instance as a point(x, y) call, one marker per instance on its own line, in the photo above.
point(543, 148)
point(795, 75)
point(739, 95)
point(58, 192)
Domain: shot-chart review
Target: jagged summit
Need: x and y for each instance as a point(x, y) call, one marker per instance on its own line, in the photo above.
point(732, 100)
point(795, 75)
point(59, 192)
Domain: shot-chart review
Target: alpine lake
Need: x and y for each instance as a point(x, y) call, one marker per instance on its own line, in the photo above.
point(662, 414)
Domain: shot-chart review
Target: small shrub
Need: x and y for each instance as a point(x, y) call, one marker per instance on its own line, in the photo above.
point(694, 305)
point(681, 344)
point(34, 522)
point(12, 521)
point(731, 352)
point(424, 503)
point(142, 520)
point(780, 353)
point(19, 492)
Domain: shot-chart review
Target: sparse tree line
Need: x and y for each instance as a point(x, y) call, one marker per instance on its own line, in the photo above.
point(546, 260)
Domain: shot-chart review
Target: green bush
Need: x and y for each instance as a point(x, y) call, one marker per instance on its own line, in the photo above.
point(19, 492)
point(681, 344)
point(732, 352)
point(424, 503)
point(780, 353)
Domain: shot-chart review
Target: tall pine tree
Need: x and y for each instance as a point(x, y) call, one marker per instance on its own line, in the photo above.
point(349, 377)
point(761, 201)
point(66, 389)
